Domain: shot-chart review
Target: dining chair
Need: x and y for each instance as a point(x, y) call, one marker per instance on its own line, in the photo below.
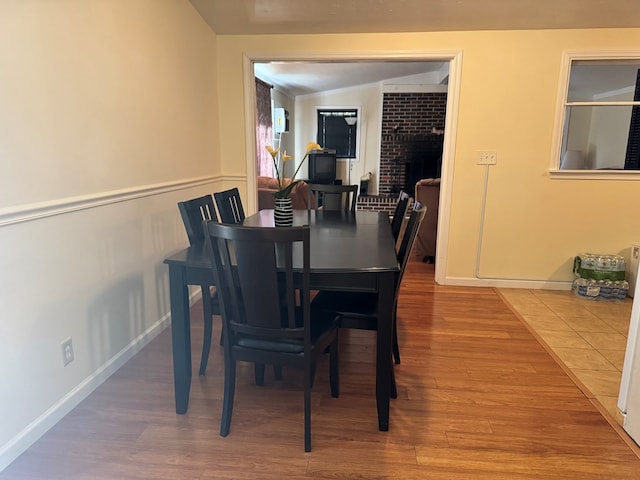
point(264, 321)
point(398, 215)
point(229, 206)
point(193, 213)
point(360, 309)
point(332, 197)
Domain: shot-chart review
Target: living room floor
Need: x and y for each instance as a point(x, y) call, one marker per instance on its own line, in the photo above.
point(587, 336)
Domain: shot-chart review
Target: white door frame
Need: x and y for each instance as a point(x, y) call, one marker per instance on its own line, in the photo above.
point(455, 66)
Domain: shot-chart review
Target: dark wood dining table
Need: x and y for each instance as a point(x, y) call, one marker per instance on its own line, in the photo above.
point(349, 252)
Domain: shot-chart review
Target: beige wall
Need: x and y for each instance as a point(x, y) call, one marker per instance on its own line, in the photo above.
point(108, 117)
point(91, 100)
point(533, 225)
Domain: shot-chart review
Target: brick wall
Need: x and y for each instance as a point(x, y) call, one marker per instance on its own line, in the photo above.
point(406, 117)
point(377, 203)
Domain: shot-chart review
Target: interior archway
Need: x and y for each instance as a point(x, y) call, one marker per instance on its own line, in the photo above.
point(454, 61)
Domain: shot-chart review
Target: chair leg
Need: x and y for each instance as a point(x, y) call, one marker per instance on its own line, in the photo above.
point(396, 348)
point(208, 329)
point(393, 390)
point(229, 393)
point(334, 369)
point(307, 407)
point(312, 373)
point(258, 369)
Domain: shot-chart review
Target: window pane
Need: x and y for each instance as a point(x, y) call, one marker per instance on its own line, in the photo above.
point(596, 136)
point(335, 133)
point(592, 81)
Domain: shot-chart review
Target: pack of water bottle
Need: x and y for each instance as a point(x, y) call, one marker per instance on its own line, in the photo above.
point(600, 277)
point(600, 289)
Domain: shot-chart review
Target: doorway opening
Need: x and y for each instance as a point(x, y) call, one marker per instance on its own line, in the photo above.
point(304, 133)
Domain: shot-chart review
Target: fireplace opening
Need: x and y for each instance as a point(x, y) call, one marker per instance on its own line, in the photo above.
point(421, 158)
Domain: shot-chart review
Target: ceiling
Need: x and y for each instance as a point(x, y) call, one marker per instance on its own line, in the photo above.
point(300, 78)
point(248, 17)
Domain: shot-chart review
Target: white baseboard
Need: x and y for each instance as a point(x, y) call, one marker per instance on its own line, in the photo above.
point(508, 283)
point(36, 429)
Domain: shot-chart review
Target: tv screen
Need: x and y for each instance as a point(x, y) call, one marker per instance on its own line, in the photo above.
point(322, 166)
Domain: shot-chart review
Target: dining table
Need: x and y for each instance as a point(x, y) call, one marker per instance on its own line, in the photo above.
point(350, 251)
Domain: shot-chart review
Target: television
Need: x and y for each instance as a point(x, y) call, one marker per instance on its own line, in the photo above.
point(322, 166)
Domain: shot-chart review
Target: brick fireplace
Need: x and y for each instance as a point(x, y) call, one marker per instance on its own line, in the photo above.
point(411, 145)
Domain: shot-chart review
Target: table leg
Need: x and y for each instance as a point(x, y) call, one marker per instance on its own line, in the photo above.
point(383, 355)
point(180, 337)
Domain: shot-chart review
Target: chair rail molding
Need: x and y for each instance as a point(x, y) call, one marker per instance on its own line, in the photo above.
point(34, 211)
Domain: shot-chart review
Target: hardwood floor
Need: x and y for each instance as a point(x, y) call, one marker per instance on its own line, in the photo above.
point(478, 398)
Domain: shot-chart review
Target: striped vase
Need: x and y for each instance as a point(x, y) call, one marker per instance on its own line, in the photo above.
point(283, 212)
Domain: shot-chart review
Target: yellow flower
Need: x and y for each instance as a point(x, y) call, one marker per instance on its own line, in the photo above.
point(285, 190)
point(273, 152)
point(312, 146)
point(286, 157)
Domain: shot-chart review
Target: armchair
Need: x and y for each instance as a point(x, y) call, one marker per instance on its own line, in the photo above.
point(428, 193)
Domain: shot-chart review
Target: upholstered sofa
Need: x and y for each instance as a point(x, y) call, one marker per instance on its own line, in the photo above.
point(267, 186)
point(428, 193)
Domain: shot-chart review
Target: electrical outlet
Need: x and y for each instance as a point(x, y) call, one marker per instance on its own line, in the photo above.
point(487, 157)
point(67, 352)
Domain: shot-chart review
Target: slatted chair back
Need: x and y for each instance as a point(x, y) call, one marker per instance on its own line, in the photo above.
point(399, 213)
point(229, 206)
point(193, 213)
point(409, 238)
point(332, 197)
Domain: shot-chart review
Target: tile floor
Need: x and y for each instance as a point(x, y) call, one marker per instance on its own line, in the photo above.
point(588, 336)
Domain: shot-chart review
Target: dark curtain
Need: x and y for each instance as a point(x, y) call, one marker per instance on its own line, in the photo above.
point(632, 159)
point(264, 128)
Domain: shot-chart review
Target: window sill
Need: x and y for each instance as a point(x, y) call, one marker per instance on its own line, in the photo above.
point(595, 174)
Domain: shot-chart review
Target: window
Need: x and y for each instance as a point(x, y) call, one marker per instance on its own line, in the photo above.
point(600, 115)
point(337, 129)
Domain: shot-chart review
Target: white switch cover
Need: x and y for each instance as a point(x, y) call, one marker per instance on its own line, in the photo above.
point(487, 157)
